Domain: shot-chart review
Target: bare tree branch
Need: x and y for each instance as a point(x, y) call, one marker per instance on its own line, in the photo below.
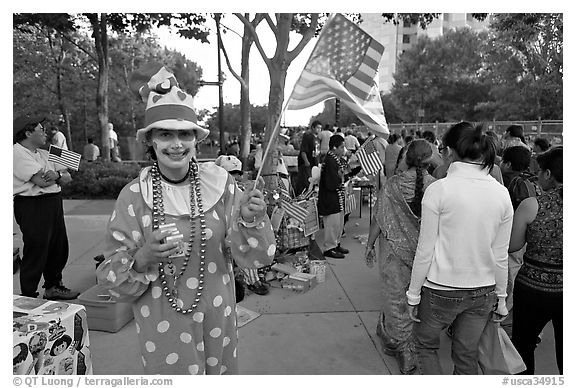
point(252, 31)
point(271, 24)
point(306, 36)
point(236, 75)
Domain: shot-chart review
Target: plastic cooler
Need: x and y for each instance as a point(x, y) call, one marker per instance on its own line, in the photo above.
point(105, 314)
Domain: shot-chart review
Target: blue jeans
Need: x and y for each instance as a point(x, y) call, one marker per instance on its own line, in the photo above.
point(467, 311)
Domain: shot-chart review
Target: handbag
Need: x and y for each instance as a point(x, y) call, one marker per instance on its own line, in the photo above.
point(496, 353)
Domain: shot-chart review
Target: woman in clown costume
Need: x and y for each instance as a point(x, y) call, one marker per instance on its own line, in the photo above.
point(167, 236)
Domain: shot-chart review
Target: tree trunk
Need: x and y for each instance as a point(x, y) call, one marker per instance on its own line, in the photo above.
point(99, 26)
point(245, 117)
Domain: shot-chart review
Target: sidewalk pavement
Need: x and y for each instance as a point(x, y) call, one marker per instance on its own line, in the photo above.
point(328, 330)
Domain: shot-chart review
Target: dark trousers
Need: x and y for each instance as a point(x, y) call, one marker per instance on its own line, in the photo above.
point(533, 309)
point(41, 220)
point(302, 183)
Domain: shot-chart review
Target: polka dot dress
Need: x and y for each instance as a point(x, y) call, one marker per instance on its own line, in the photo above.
point(204, 342)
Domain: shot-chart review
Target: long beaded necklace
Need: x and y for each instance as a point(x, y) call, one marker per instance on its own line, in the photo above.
point(158, 219)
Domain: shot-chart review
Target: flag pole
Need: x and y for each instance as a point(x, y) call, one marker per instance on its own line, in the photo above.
point(277, 126)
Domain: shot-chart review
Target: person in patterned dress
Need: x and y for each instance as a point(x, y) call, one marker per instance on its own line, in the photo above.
point(182, 291)
point(538, 289)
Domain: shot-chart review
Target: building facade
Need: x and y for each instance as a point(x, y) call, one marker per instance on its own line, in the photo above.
point(399, 37)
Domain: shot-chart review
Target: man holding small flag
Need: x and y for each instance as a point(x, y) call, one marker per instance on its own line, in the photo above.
point(39, 212)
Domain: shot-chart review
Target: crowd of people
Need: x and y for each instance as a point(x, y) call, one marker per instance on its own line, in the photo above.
point(466, 229)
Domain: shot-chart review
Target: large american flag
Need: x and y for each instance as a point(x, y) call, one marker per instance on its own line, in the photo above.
point(368, 158)
point(64, 157)
point(343, 64)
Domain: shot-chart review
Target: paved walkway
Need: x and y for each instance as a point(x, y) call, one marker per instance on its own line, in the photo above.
point(329, 330)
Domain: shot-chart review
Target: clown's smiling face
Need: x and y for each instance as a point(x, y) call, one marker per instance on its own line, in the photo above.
point(174, 149)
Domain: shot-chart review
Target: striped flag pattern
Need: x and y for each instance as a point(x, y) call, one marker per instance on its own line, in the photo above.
point(64, 157)
point(368, 158)
point(343, 64)
point(294, 209)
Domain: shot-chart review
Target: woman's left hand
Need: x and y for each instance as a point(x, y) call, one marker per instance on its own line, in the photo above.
point(252, 205)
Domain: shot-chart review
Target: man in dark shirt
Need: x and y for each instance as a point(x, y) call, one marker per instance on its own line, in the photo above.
point(308, 156)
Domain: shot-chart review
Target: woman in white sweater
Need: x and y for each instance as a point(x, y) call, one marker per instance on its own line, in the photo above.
point(460, 267)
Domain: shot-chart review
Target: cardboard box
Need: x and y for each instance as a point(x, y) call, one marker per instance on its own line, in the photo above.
point(299, 282)
point(105, 314)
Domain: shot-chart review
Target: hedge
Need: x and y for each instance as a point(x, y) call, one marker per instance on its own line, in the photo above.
point(101, 180)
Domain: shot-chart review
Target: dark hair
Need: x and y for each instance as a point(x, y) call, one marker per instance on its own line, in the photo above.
point(542, 143)
point(516, 130)
point(429, 136)
point(335, 141)
point(518, 156)
point(393, 138)
point(408, 139)
point(326, 127)
point(494, 137)
point(315, 123)
point(90, 140)
point(21, 134)
point(64, 339)
point(418, 153)
point(22, 353)
point(552, 160)
point(474, 144)
point(470, 143)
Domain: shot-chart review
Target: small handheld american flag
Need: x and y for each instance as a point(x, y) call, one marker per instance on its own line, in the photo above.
point(369, 159)
point(64, 157)
point(293, 208)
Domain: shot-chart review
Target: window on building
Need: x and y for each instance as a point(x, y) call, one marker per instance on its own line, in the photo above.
point(446, 17)
point(405, 38)
point(407, 24)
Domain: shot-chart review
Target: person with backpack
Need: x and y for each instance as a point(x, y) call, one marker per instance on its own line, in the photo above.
point(520, 183)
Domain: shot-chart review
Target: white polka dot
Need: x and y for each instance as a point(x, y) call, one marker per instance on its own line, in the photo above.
point(226, 341)
point(163, 326)
point(172, 358)
point(193, 369)
point(124, 261)
point(220, 248)
point(136, 235)
point(271, 250)
point(215, 215)
point(135, 188)
point(252, 242)
point(226, 278)
point(211, 267)
point(227, 311)
point(257, 263)
point(215, 333)
point(150, 346)
point(198, 317)
point(244, 248)
point(200, 346)
point(118, 236)
point(223, 369)
point(146, 220)
point(179, 302)
point(152, 276)
point(231, 188)
point(217, 301)
point(156, 292)
point(186, 338)
point(137, 328)
point(230, 269)
point(113, 215)
point(192, 283)
point(234, 353)
point(212, 361)
point(145, 311)
point(209, 233)
point(111, 277)
point(131, 210)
